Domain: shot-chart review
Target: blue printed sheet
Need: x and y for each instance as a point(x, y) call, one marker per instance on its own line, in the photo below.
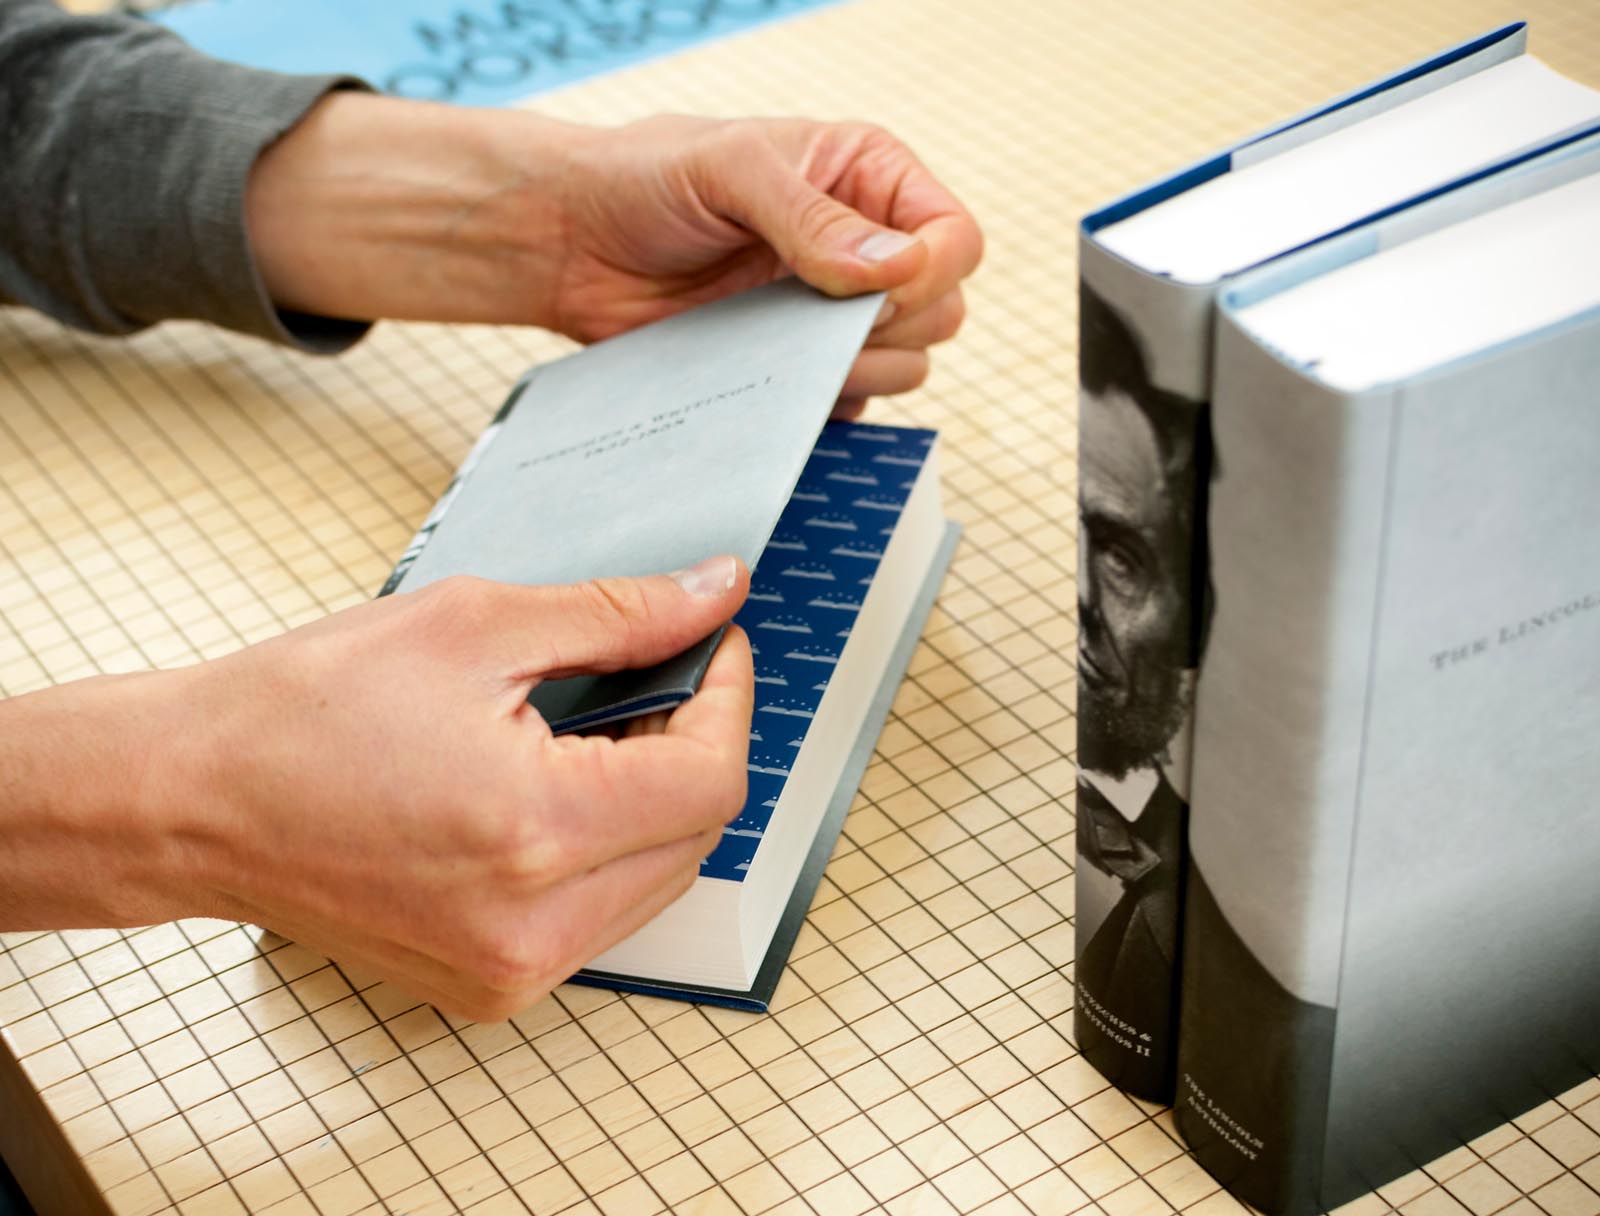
point(476, 52)
point(805, 594)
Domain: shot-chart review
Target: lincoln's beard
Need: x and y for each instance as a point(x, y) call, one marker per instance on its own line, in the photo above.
point(1116, 737)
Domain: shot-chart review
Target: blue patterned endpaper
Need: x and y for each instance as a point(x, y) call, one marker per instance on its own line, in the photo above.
point(805, 594)
point(477, 52)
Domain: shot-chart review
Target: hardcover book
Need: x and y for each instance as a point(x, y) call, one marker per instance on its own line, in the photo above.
point(1392, 916)
point(837, 603)
point(690, 437)
point(1151, 266)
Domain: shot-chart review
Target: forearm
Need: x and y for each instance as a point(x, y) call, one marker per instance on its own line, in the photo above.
point(86, 838)
point(123, 161)
point(377, 207)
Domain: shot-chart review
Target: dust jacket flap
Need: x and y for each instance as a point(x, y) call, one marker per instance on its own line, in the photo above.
point(642, 454)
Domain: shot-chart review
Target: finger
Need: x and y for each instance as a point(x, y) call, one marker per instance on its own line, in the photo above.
point(828, 243)
point(955, 247)
point(539, 943)
point(652, 723)
point(412, 971)
point(848, 409)
point(880, 373)
point(616, 796)
point(530, 633)
point(936, 323)
point(720, 711)
point(534, 944)
point(646, 724)
point(615, 900)
point(608, 624)
point(887, 183)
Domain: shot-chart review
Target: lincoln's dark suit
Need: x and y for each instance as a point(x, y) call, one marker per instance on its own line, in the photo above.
point(1253, 1102)
point(1127, 972)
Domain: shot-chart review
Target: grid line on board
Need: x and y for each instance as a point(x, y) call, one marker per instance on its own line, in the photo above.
point(169, 497)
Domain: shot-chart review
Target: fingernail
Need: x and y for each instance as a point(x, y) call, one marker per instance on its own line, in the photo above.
point(888, 310)
point(881, 246)
point(712, 577)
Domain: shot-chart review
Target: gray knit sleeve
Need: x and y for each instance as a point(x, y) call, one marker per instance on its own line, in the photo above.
point(123, 159)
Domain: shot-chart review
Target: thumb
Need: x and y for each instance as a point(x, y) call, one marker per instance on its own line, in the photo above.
point(608, 624)
point(828, 244)
point(538, 633)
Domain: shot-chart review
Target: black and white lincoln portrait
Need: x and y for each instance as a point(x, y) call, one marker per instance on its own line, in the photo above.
point(1136, 666)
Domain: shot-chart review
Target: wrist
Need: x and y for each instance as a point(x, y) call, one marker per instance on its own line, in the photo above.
point(376, 207)
point(91, 834)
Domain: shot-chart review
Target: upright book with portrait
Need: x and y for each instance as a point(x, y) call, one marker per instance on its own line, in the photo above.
point(1151, 267)
point(1392, 913)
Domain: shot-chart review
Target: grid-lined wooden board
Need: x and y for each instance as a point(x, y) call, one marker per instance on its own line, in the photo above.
point(172, 497)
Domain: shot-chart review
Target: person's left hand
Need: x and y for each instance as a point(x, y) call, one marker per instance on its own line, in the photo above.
point(375, 207)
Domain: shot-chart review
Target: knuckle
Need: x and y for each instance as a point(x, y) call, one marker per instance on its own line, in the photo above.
point(913, 372)
point(952, 314)
point(536, 862)
point(534, 851)
point(621, 601)
point(870, 134)
point(818, 213)
point(623, 615)
point(507, 967)
point(499, 821)
point(739, 141)
point(737, 135)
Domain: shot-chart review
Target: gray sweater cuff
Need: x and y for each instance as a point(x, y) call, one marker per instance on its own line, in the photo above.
point(134, 151)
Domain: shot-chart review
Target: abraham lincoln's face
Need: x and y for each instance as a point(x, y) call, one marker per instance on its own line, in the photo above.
point(1133, 576)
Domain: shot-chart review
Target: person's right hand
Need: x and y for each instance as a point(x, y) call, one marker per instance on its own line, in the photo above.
point(379, 207)
point(376, 787)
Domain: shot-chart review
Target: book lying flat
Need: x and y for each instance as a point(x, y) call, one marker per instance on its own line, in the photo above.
point(836, 605)
point(1151, 266)
point(1390, 936)
point(695, 436)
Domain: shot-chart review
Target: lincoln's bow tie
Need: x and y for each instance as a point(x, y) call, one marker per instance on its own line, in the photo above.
point(1107, 840)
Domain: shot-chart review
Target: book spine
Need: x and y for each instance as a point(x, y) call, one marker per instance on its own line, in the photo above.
point(1143, 447)
point(1297, 511)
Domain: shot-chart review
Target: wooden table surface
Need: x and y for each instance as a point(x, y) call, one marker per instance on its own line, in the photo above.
point(177, 495)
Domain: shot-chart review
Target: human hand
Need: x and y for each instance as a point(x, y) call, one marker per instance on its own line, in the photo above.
point(672, 212)
point(378, 207)
point(376, 786)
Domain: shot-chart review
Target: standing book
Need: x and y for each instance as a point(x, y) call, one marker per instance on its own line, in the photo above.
point(1151, 267)
point(707, 433)
point(1390, 939)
